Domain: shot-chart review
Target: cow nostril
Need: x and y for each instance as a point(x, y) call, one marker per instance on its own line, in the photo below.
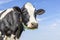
point(34, 24)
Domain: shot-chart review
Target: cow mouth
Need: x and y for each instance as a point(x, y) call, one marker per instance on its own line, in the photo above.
point(32, 27)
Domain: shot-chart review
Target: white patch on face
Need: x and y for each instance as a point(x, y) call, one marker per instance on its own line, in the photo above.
point(5, 13)
point(30, 10)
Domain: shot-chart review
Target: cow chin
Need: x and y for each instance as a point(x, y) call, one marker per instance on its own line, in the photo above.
point(31, 28)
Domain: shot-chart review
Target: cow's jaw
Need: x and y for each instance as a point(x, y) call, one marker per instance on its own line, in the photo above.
point(31, 11)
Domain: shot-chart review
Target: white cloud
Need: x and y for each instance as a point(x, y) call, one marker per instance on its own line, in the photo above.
point(55, 25)
point(39, 19)
point(5, 1)
point(49, 17)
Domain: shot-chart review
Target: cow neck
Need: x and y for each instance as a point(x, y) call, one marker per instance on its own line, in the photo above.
point(19, 10)
point(25, 27)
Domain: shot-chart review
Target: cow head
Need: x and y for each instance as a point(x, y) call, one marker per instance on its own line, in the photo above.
point(29, 15)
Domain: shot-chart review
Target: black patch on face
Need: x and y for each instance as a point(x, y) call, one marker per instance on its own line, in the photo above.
point(35, 14)
point(25, 15)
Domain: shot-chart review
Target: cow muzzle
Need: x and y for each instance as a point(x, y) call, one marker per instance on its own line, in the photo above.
point(33, 25)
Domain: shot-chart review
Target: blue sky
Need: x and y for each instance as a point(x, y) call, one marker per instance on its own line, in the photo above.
point(49, 23)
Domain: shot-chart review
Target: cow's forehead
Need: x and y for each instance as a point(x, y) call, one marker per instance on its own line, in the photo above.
point(29, 5)
point(29, 8)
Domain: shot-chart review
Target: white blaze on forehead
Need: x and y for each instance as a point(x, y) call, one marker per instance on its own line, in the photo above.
point(29, 7)
point(30, 10)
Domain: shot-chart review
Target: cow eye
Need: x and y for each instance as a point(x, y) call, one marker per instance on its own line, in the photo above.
point(25, 14)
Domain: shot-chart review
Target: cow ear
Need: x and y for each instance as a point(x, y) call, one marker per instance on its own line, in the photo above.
point(40, 11)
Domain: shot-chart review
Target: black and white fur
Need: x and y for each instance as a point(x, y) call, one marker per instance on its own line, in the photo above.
point(10, 25)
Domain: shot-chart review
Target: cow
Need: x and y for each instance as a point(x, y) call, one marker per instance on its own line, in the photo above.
point(13, 20)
